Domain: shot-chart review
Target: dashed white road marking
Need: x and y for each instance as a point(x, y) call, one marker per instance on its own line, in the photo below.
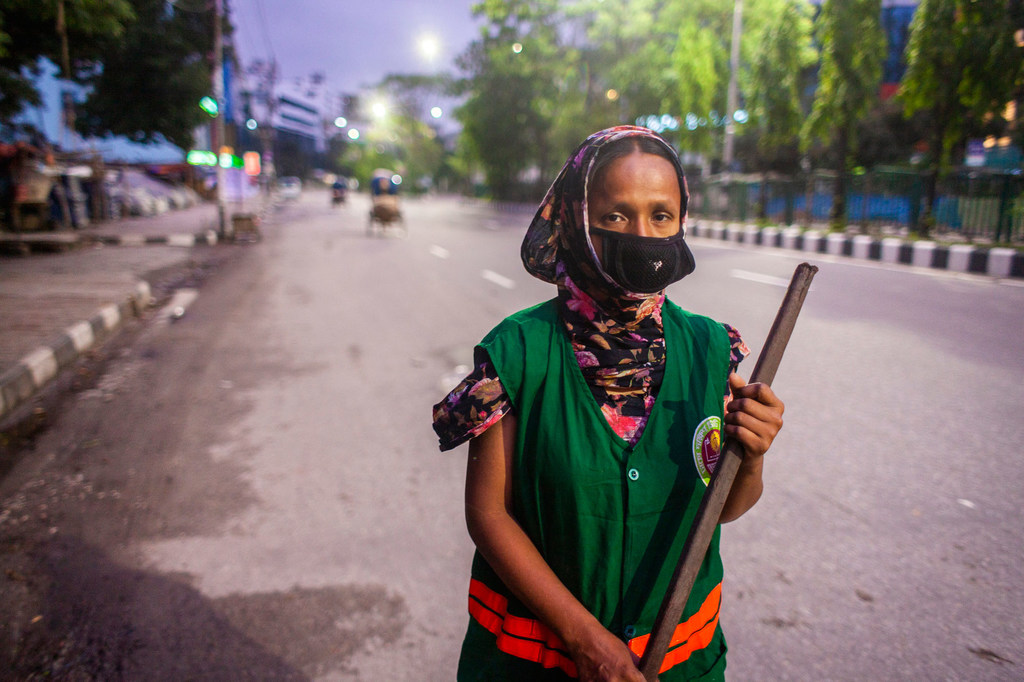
point(500, 280)
point(759, 278)
point(439, 251)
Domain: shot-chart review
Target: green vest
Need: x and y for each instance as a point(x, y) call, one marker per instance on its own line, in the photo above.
point(609, 518)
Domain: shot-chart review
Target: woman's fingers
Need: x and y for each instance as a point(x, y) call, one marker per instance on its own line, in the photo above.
point(754, 415)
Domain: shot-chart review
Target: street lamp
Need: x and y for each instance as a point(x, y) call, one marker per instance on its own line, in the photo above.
point(429, 46)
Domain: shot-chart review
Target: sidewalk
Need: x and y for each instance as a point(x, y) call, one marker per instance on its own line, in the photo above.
point(63, 293)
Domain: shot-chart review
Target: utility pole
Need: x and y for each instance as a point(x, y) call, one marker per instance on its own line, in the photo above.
point(218, 94)
point(734, 67)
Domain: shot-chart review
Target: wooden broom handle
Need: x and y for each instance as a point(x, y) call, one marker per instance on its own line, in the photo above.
point(721, 482)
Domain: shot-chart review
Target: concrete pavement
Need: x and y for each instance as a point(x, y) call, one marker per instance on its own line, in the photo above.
point(63, 293)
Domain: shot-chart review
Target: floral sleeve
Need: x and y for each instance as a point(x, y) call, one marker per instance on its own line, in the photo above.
point(738, 351)
point(472, 407)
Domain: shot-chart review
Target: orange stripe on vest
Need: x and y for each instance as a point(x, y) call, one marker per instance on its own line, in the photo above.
point(530, 639)
point(525, 638)
point(690, 636)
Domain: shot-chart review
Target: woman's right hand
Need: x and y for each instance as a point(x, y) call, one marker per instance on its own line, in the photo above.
point(600, 656)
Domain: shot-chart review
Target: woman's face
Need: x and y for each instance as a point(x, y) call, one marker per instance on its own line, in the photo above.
point(636, 194)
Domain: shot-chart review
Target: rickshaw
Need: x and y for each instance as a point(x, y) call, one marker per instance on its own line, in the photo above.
point(385, 213)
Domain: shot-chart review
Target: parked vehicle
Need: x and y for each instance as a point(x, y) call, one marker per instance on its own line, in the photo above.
point(289, 187)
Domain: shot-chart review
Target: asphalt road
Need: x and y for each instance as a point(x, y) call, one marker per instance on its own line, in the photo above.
point(254, 491)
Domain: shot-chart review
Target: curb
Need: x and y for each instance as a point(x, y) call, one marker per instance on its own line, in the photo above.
point(41, 365)
point(995, 262)
point(48, 241)
point(208, 237)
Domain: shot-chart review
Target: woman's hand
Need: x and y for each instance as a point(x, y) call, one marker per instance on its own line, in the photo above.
point(753, 416)
point(600, 656)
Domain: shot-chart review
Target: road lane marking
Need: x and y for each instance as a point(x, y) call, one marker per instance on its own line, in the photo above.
point(500, 280)
point(439, 251)
point(759, 278)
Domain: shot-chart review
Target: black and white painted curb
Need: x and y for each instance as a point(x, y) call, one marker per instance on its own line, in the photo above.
point(184, 240)
point(40, 366)
point(996, 261)
point(25, 243)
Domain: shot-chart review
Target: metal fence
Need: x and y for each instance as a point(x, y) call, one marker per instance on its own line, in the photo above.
point(971, 204)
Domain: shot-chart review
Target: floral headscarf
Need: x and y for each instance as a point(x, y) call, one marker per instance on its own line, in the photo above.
point(560, 231)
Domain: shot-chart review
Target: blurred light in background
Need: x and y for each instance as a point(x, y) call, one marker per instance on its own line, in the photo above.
point(517, 47)
point(353, 134)
point(340, 122)
point(436, 112)
point(429, 46)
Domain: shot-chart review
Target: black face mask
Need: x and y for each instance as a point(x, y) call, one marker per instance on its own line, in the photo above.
point(645, 265)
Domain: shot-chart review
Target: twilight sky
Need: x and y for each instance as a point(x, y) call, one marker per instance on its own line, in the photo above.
point(353, 42)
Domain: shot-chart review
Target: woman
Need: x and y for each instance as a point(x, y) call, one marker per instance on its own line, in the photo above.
point(593, 422)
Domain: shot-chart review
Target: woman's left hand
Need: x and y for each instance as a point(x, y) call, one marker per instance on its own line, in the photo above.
point(753, 416)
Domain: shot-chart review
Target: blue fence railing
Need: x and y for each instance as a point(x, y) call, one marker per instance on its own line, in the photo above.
point(972, 204)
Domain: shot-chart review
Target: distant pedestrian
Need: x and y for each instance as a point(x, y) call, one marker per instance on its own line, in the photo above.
point(593, 423)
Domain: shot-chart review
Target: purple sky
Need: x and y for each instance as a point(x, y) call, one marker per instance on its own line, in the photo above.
point(353, 42)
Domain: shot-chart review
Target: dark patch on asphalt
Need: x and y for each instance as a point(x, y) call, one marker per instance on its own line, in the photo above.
point(87, 617)
point(781, 623)
point(865, 596)
point(319, 630)
point(990, 656)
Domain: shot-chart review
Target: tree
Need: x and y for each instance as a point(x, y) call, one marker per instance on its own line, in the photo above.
point(852, 50)
point(963, 64)
point(143, 62)
point(151, 80)
point(29, 32)
point(777, 82)
point(511, 89)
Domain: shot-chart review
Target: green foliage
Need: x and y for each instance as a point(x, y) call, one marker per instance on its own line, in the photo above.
point(399, 139)
point(962, 64)
point(28, 34)
point(144, 62)
point(511, 84)
point(152, 80)
point(852, 50)
point(778, 77)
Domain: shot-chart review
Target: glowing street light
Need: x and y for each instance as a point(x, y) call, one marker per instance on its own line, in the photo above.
point(429, 46)
point(379, 110)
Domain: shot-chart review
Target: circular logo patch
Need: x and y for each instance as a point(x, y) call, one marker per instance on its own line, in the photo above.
point(707, 443)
